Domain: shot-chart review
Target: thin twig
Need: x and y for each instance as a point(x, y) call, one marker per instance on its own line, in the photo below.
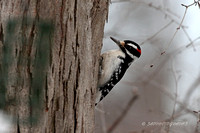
point(172, 13)
point(191, 42)
point(164, 27)
point(103, 121)
point(176, 90)
point(177, 29)
point(123, 114)
point(180, 25)
point(167, 13)
point(186, 6)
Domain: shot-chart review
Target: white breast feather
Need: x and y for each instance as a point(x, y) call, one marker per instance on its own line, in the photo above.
point(109, 64)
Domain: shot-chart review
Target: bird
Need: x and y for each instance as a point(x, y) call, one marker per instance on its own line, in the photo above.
point(113, 65)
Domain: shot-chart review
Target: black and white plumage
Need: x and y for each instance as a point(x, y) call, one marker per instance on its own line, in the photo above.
point(113, 65)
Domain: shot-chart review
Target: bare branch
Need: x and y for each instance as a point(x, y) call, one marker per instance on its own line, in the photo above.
point(103, 121)
point(163, 28)
point(192, 42)
point(176, 90)
point(123, 114)
point(178, 28)
point(180, 25)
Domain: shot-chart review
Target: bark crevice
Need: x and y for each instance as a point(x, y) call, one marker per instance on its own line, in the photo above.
point(1, 34)
point(75, 13)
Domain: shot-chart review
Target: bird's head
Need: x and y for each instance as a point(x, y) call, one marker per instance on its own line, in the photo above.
point(130, 48)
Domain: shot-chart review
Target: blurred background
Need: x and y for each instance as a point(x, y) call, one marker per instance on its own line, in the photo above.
point(160, 92)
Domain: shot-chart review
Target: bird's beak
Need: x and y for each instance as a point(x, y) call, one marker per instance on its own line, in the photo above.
point(119, 43)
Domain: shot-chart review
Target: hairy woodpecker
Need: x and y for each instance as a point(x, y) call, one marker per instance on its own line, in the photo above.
point(113, 65)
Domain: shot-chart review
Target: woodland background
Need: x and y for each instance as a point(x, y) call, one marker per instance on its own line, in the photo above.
point(166, 77)
point(162, 87)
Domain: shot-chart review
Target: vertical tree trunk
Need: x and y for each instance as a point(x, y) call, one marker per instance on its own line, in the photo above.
point(69, 79)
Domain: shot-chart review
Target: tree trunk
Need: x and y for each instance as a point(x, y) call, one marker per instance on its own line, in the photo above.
point(49, 63)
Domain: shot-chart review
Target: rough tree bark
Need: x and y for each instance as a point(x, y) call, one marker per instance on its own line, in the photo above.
point(70, 82)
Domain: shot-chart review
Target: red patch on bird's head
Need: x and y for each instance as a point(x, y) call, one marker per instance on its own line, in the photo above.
point(139, 50)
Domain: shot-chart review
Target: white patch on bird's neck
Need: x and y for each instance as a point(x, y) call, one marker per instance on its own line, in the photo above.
point(131, 55)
